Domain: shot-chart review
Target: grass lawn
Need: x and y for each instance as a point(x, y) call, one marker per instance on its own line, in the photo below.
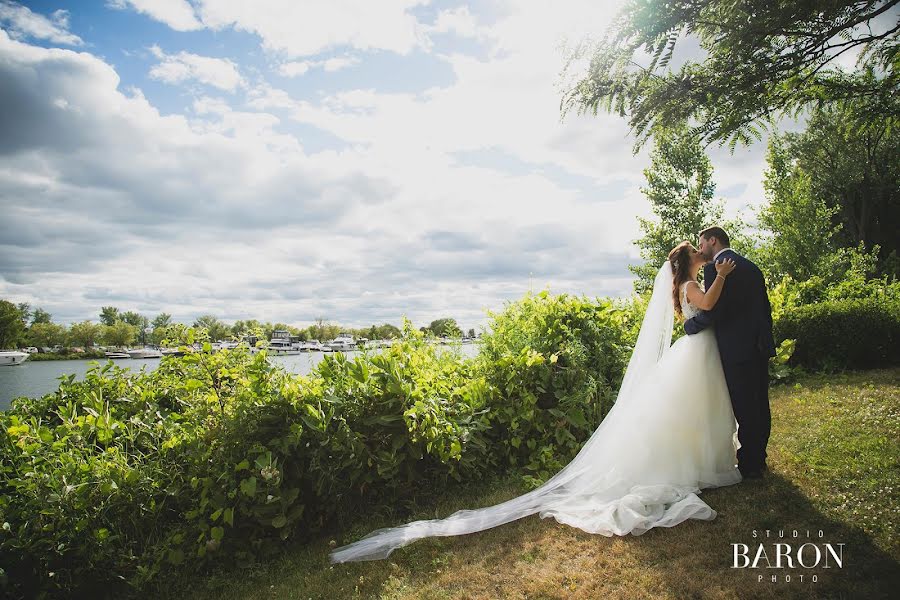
point(834, 458)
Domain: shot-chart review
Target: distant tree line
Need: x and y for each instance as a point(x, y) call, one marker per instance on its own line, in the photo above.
point(22, 326)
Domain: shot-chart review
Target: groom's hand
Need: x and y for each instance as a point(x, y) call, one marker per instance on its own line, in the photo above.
point(690, 327)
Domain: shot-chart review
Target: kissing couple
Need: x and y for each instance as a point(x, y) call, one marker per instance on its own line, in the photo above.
point(689, 415)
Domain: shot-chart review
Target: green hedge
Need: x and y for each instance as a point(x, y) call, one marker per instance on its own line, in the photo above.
point(110, 483)
point(554, 365)
point(860, 333)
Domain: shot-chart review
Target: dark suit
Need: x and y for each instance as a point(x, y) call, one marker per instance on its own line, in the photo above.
point(743, 326)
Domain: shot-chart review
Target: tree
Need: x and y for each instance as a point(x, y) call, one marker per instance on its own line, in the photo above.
point(762, 60)
point(799, 223)
point(24, 312)
point(160, 325)
point(680, 190)
point(387, 331)
point(251, 327)
point(12, 329)
point(119, 334)
point(445, 327)
point(46, 335)
point(109, 315)
point(133, 318)
point(216, 329)
point(84, 334)
point(850, 157)
point(319, 330)
point(40, 316)
point(161, 320)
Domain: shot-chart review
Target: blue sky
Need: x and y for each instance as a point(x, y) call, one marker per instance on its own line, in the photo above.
point(357, 161)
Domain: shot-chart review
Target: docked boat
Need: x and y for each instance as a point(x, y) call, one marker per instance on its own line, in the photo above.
point(344, 342)
point(283, 342)
point(115, 354)
point(9, 358)
point(311, 346)
point(145, 353)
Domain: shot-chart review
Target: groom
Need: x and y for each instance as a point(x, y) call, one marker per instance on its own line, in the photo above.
point(743, 320)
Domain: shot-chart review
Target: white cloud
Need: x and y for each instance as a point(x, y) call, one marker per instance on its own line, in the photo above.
point(433, 202)
point(24, 23)
point(295, 68)
point(212, 208)
point(177, 14)
point(339, 62)
point(457, 20)
point(184, 66)
point(506, 101)
point(299, 29)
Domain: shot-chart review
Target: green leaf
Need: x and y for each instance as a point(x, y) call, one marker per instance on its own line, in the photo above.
point(279, 521)
point(248, 486)
point(217, 533)
point(576, 417)
point(229, 516)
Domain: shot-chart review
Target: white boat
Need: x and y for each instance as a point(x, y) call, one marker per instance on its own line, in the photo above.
point(281, 347)
point(117, 355)
point(311, 346)
point(145, 353)
point(9, 358)
point(173, 352)
point(282, 343)
point(375, 344)
point(344, 342)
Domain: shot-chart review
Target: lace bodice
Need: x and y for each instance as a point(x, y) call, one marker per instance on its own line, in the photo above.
point(687, 309)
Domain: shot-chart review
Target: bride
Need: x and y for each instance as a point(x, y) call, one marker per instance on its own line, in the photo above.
point(670, 433)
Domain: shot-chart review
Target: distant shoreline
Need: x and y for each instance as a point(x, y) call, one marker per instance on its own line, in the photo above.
point(49, 356)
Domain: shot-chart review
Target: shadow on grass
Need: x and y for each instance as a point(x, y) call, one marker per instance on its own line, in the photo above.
point(698, 560)
point(542, 558)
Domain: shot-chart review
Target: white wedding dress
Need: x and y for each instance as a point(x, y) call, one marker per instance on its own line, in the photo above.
point(670, 433)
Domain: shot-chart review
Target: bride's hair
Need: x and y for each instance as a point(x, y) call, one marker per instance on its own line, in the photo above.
point(680, 259)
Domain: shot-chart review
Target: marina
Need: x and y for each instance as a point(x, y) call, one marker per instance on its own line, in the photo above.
point(36, 378)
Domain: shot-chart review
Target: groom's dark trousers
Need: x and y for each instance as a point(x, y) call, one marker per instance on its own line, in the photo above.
point(743, 327)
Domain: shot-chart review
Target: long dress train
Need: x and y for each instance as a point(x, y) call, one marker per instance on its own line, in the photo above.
point(670, 433)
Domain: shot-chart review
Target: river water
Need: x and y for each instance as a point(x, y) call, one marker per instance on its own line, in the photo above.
point(34, 379)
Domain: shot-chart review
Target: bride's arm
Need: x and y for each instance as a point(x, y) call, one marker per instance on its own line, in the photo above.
point(708, 300)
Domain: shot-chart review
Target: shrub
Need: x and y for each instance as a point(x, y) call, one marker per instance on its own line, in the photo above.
point(553, 364)
point(110, 482)
point(843, 334)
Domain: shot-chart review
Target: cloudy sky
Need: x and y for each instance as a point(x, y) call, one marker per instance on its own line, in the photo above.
point(284, 160)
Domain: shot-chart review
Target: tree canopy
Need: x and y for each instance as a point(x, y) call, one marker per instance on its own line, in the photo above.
point(109, 315)
point(834, 185)
point(444, 327)
point(761, 60)
point(680, 189)
point(11, 326)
